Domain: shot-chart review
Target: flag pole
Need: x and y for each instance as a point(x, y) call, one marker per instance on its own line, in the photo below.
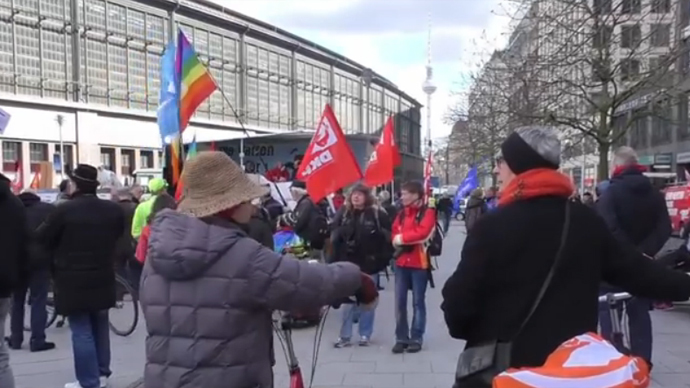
point(239, 120)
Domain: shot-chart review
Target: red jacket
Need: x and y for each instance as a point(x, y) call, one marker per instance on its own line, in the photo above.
point(414, 233)
point(143, 244)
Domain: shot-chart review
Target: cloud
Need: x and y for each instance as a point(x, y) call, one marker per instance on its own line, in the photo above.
point(390, 37)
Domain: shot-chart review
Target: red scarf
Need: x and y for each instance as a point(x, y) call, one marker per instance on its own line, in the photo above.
point(635, 167)
point(536, 183)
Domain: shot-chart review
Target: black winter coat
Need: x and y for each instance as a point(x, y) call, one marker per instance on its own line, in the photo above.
point(304, 221)
point(13, 240)
point(494, 285)
point(82, 236)
point(261, 228)
point(359, 238)
point(635, 212)
point(37, 213)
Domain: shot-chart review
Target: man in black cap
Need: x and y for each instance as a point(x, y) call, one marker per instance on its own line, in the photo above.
point(82, 235)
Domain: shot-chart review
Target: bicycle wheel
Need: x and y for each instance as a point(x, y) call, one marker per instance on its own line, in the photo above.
point(124, 316)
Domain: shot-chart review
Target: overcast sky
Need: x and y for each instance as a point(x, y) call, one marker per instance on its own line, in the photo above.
point(390, 37)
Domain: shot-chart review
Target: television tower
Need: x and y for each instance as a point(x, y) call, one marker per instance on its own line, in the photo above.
point(429, 88)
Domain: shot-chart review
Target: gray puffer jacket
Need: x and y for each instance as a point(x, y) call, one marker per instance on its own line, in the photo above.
point(207, 292)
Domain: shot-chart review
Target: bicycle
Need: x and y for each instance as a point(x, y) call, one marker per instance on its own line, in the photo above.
point(123, 289)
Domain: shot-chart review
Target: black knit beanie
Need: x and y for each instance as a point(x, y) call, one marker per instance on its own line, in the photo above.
point(521, 157)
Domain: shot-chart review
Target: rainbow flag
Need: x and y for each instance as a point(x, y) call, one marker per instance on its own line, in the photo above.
point(196, 83)
point(192, 150)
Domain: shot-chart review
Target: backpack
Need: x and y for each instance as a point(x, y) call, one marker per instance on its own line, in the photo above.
point(434, 246)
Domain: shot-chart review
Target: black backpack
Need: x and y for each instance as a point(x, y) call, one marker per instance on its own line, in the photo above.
point(318, 228)
point(435, 243)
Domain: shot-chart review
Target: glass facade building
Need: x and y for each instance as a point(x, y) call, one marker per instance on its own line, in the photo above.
point(107, 52)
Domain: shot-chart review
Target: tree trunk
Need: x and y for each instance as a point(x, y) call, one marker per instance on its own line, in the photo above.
point(603, 169)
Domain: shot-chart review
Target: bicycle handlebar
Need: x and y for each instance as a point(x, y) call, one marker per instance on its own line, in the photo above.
point(614, 297)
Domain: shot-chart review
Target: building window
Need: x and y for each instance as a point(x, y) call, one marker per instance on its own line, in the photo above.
point(38, 152)
point(631, 35)
point(660, 35)
point(661, 124)
point(638, 130)
point(127, 162)
point(631, 7)
point(629, 68)
point(69, 156)
point(146, 159)
point(661, 6)
point(602, 37)
point(11, 154)
point(602, 6)
point(108, 158)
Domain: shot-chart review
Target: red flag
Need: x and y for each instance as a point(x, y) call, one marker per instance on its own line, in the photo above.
point(328, 163)
point(213, 146)
point(36, 181)
point(427, 177)
point(382, 161)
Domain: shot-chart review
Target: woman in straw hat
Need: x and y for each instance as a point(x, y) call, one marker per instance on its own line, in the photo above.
point(208, 289)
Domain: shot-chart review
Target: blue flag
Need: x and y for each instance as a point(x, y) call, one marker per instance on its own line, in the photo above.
point(169, 97)
point(470, 183)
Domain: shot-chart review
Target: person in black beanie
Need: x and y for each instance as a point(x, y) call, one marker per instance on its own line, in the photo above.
point(81, 236)
point(496, 284)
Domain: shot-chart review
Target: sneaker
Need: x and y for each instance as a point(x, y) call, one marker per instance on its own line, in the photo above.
point(103, 382)
point(342, 343)
point(399, 347)
point(414, 347)
point(364, 341)
point(41, 347)
point(73, 385)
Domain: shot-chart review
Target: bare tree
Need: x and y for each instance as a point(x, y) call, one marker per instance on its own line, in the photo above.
point(595, 69)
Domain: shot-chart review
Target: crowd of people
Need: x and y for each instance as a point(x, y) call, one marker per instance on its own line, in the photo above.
point(209, 276)
point(205, 269)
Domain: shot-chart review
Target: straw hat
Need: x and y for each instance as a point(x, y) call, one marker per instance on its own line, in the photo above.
point(213, 183)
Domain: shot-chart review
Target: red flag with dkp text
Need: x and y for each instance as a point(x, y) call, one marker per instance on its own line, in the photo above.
point(328, 163)
point(383, 160)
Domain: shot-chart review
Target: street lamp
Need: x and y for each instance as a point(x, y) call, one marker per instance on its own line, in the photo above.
point(60, 120)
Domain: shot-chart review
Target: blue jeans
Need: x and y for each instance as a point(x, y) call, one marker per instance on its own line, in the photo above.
point(416, 280)
point(445, 218)
point(639, 323)
point(38, 296)
point(366, 319)
point(91, 347)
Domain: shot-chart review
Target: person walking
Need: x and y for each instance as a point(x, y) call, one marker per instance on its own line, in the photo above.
point(82, 235)
point(13, 265)
point(37, 283)
point(546, 239)
point(636, 214)
point(141, 214)
point(162, 201)
point(219, 303)
point(361, 235)
point(476, 207)
point(413, 226)
point(126, 265)
point(444, 209)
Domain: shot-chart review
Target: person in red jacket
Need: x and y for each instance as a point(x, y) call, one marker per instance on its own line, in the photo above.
point(412, 228)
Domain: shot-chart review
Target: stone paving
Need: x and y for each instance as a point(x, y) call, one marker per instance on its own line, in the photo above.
point(371, 367)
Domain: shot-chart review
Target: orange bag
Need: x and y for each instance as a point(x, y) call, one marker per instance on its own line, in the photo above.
point(586, 361)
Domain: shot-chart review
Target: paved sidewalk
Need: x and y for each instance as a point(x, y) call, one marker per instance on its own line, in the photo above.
point(372, 367)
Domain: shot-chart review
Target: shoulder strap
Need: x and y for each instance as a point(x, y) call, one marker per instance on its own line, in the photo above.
point(421, 213)
point(549, 276)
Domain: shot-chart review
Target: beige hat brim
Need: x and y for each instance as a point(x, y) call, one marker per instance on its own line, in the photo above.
point(214, 204)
